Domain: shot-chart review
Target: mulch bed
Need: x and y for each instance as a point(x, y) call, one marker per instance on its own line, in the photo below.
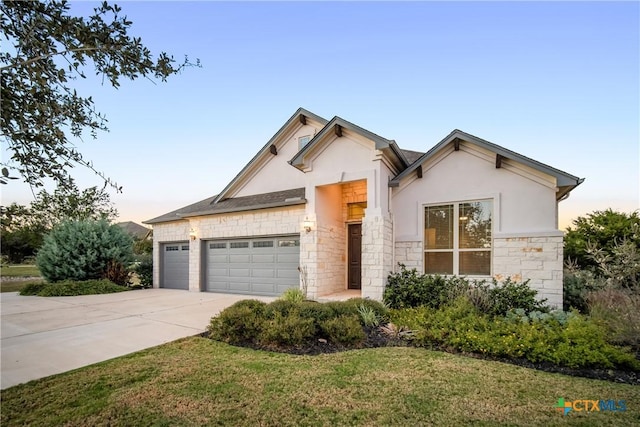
point(375, 338)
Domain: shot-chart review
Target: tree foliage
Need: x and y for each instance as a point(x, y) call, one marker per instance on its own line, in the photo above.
point(83, 250)
point(601, 232)
point(23, 227)
point(49, 49)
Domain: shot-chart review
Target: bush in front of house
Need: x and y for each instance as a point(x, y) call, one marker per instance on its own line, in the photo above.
point(84, 250)
point(570, 340)
point(68, 288)
point(283, 323)
point(144, 270)
point(407, 289)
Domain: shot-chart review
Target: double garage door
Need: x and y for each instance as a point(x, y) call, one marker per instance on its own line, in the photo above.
point(263, 266)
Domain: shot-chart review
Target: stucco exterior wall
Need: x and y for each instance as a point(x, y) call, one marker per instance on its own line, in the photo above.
point(275, 173)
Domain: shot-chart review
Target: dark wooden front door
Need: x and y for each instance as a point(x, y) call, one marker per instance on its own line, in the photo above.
point(355, 256)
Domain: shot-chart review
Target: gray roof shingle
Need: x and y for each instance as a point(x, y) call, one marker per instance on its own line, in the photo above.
point(236, 204)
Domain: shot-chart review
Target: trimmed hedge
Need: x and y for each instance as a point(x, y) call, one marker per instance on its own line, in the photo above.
point(70, 288)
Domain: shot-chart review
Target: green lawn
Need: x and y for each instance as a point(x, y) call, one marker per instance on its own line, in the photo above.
point(196, 381)
point(12, 277)
point(22, 270)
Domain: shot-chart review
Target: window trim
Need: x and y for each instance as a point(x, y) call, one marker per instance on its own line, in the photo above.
point(456, 250)
point(300, 138)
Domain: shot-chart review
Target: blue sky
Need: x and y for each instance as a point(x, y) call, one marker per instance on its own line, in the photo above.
point(558, 82)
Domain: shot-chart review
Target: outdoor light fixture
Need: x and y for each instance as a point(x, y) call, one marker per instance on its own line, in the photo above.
point(307, 225)
point(192, 234)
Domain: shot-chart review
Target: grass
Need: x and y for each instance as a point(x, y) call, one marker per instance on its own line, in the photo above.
point(196, 381)
point(13, 277)
point(21, 270)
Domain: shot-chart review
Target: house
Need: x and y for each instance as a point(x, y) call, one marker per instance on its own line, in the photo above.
point(330, 206)
point(135, 230)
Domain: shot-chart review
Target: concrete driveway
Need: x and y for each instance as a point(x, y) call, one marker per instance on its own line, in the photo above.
point(45, 336)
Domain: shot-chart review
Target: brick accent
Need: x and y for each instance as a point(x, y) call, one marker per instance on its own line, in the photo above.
point(377, 254)
point(263, 222)
point(538, 259)
point(410, 254)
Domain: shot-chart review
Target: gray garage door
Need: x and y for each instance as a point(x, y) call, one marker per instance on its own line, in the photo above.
point(265, 266)
point(175, 265)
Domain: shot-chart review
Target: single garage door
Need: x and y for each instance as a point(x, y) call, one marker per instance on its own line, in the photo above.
point(175, 265)
point(264, 266)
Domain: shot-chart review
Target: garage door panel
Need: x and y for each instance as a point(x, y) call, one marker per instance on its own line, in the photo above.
point(239, 258)
point(239, 272)
point(175, 265)
point(264, 258)
point(263, 273)
point(264, 266)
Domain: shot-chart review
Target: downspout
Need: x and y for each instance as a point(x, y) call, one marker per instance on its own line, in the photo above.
point(393, 229)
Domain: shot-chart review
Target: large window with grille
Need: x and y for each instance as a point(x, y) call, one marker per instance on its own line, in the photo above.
point(457, 238)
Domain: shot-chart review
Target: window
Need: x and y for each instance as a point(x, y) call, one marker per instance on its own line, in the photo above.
point(302, 141)
point(218, 245)
point(238, 245)
point(171, 248)
point(457, 238)
point(288, 243)
point(185, 247)
point(263, 244)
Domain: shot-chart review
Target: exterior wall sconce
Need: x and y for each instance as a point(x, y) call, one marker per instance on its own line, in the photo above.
point(192, 234)
point(307, 225)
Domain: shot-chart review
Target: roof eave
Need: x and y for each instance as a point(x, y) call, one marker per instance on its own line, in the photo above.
point(244, 208)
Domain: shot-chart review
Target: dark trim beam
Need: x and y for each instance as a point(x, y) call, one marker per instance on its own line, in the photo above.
point(303, 119)
point(338, 130)
point(419, 171)
point(456, 144)
point(499, 161)
point(273, 150)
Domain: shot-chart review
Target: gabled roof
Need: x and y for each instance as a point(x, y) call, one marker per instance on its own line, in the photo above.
point(136, 230)
point(296, 117)
point(387, 146)
point(237, 204)
point(565, 181)
point(411, 155)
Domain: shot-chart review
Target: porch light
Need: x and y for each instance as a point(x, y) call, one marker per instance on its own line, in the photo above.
point(307, 224)
point(192, 234)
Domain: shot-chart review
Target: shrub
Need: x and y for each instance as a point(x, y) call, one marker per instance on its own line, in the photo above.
point(509, 295)
point(294, 295)
point(117, 273)
point(144, 270)
point(238, 323)
point(344, 330)
point(576, 285)
point(72, 288)
point(280, 306)
point(81, 250)
point(368, 316)
point(565, 339)
point(407, 288)
point(288, 330)
point(342, 308)
point(377, 307)
point(33, 288)
point(316, 311)
point(618, 311)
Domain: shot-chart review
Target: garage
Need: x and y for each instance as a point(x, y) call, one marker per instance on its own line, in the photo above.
point(263, 266)
point(175, 265)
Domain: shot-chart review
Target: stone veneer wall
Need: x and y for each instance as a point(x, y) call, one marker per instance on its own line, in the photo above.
point(538, 259)
point(264, 222)
point(410, 254)
point(377, 254)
